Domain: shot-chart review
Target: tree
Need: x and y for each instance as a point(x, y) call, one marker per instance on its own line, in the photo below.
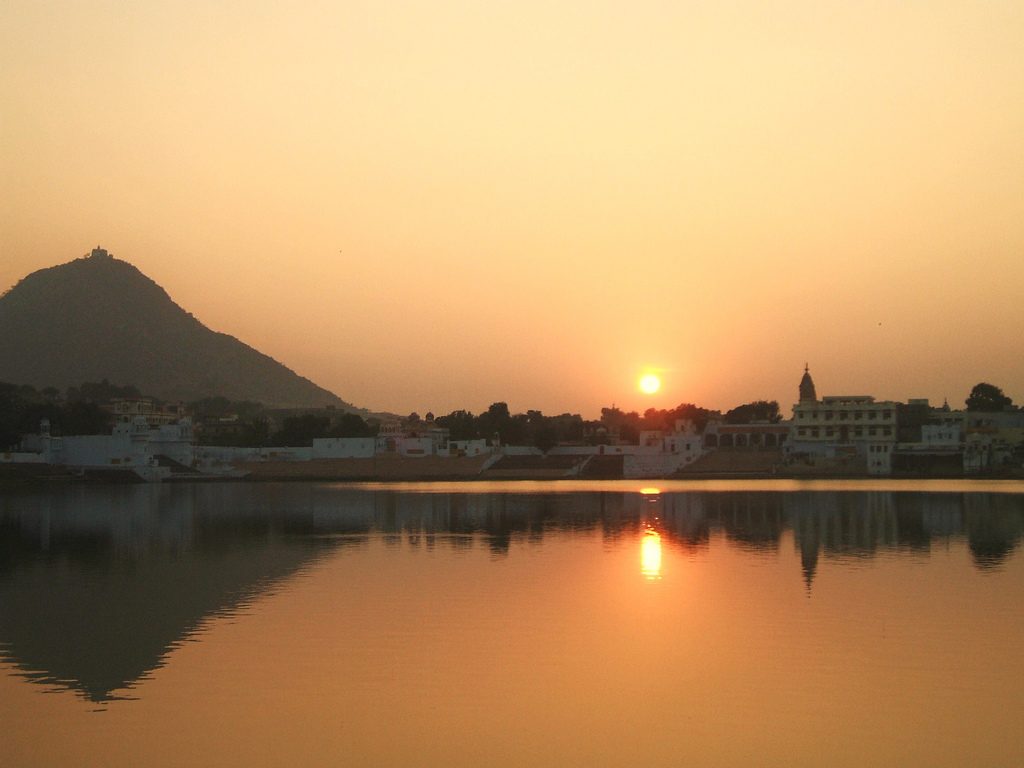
point(987, 397)
point(15, 402)
point(351, 425)
point(302, 430)
point(101, 391)
point(256, 431)
point(83, 418)
point(691, 412)
point(759, 410)
point(460, 424)
point(499, 412)
point(546, 438)
point(625, 425)
point(497, 421)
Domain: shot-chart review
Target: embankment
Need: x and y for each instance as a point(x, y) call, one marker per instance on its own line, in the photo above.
point(378, 468)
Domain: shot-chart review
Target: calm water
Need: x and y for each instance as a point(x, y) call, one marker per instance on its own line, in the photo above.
point(568, 624)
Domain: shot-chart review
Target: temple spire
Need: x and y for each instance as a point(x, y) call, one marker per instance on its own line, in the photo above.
point(807, 391)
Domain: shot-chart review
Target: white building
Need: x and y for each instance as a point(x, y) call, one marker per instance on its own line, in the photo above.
point(395, 439)
point(468, 448)
point(149, 452)
point(344, 447)
point(840, 426)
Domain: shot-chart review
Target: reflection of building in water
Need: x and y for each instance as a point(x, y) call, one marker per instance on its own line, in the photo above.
point(751, 520)
point(97, 584)
point(846, 524)
point(685, 518)
point(994, 526)
point(840, 525)
point(859, 524)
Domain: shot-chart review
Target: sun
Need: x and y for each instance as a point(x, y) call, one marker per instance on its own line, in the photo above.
point(649, 384)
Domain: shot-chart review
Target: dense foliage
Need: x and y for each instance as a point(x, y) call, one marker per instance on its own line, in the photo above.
point(759, 410)
point(304, 428)
point(530, 428)
point(22, 408)
point(987, 397)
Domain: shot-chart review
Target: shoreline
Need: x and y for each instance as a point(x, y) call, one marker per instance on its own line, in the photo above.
point(11, 477)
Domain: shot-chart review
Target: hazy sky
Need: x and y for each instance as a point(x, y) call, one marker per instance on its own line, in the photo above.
point(435, 205)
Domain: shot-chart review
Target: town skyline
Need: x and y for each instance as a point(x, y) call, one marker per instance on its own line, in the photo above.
point(439, 205)
point(649, 384)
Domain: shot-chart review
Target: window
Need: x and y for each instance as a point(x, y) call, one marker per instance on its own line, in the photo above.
point(828, 415)
point(887, 431)
point(872, 415)
point(843, 415)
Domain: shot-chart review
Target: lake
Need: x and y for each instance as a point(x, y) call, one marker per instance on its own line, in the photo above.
point(768, 623)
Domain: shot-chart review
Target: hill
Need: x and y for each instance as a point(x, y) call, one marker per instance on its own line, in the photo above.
point(98, 317)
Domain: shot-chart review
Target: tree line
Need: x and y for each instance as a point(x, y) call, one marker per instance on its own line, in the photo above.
point(80, 411)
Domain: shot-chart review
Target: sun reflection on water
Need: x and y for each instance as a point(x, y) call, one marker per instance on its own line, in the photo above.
point(650, 555)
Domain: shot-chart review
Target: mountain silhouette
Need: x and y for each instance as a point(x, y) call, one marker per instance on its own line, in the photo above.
point(98, 318)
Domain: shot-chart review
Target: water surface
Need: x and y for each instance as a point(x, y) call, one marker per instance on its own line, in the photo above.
point(761, 623)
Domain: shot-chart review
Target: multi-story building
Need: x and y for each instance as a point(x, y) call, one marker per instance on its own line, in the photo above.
point(127, 409)
point(992, 439)
point(843, 426)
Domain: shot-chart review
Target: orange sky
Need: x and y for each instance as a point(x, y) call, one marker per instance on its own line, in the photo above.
point(434, 205)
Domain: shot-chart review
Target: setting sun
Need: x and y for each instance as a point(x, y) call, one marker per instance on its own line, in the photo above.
point(649, 384)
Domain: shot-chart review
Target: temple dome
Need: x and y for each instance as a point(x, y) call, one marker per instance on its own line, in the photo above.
point(807, 393)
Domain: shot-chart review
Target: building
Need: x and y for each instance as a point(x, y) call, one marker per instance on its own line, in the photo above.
point(417, 439)
point(151, 453)
point(755, 436)
point(993, 440)
point(930, 441)
point(127, 409)
point(846, 428)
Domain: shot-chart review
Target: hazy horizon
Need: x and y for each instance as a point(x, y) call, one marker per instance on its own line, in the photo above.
point(431, 206)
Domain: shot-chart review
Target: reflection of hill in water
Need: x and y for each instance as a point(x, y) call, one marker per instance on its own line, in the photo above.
point(96, 588)
point(98, 584)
